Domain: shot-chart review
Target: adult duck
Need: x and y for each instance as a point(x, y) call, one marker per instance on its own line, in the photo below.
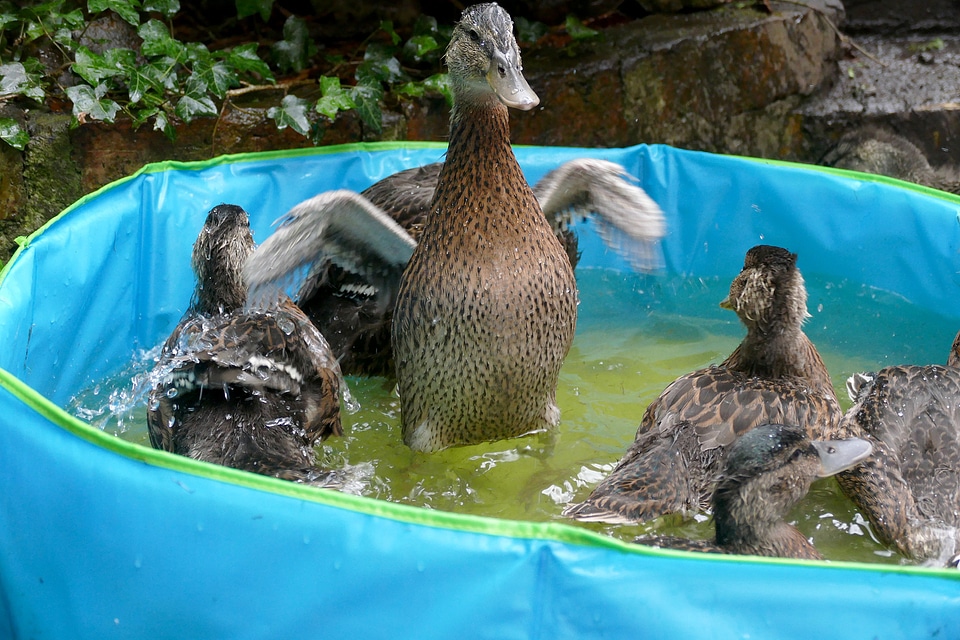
point(774, 376)
point(766, 473)
point(909, 488)
point(485, 298)
point(352, 291)
point(249, 388)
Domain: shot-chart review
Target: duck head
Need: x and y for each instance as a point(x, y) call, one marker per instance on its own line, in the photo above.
point(484, 59)
point(769, 291)
point(767, 471)
point(219, 253)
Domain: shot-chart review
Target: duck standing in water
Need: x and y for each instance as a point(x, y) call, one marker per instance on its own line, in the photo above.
point(909, 488)
point(767, 472)
point(774, 376)
point(249, 388)
point(486, 306)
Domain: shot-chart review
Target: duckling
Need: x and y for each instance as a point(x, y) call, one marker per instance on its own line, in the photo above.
point(250, 388)
point(879, 151)
point(909, 488)
point(775, 375)
point(478, 291)
point(767, 472)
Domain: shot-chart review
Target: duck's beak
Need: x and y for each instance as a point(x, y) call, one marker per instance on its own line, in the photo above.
point(509, 84)
point(840, 455)
point(726, 304)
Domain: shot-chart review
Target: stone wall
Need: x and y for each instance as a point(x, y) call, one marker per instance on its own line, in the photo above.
point(731, 80)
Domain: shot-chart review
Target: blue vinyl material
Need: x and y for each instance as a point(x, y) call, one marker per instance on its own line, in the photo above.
point(100, 538)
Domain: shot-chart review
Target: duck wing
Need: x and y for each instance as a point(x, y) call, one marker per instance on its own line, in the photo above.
point(628, 220)
point(406, 196)
point(276, 356)
point(909, 488)
point(336, 228)
point(671, 466)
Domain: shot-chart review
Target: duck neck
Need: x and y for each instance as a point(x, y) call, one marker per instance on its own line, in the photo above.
point(777, 352)
point(741, 531)
point(480, 159)
point(220, 287)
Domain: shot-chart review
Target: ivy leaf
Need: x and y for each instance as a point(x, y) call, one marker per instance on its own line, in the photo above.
point(162, 123)
point(418, 47)
point(144, 80)
point(294, 51)
point(577, 30)
point(193, 106)
point(95, 68)
point(218, 77)
point(166, 7)
point(129, 10)
point(409, 89)
point(335, 98)
point(246, 8)
point(531, 30)
point(440, 82)
point(387, 26)
point(379, 65)
point(292, 113)
point(88, 101)
point(13, 134)
point(245, 60)
point(158, 42)
point(15, 79)
point(367, 99)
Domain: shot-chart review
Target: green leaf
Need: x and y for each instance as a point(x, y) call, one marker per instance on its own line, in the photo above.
point(95, 68)
point(90, 102)
point(292, 113)
point(440, 82)
point(419, 46)
point(15, 79)
point(162, 123)
point(294, 51)
point(387, 26)
point(379, 65)
point(409, 89)
point(577, 30)
point(529, 30)
point(217, 77)
point(246, 8)
point(142, 81)
point(13, 134)
point(195, 106)
point(129, 10)
point(158, 42)
point(245, 60)
point(367, 99)
point(335, 98)
point(166, 7)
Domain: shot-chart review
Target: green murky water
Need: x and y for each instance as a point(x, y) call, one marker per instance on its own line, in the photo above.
point(635, 335)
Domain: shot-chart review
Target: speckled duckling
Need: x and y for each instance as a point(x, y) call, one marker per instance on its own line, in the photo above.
point(252, 389)
point(775, 376)
point(766, 473)
point(909, 488)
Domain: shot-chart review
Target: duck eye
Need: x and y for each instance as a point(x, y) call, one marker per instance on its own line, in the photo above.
point(795, 455)
point(501, 71)
point(474, 35)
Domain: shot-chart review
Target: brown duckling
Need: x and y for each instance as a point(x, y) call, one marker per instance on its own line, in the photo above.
point(484, 301)
point(909, 488)
point(775, 375)
point(767, 471)
point(249, 388)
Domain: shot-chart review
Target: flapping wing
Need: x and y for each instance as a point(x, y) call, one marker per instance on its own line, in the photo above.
point(628, 220)
point(336, 227)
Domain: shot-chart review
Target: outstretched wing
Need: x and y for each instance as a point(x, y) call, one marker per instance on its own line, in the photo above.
point(341, 228)
point(628, 220)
